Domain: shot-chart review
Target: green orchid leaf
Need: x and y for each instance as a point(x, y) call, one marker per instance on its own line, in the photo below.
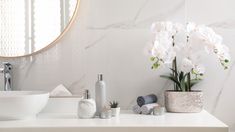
point(181, 76)
point(195, 81)
point(183, 84)
point(174, 71)
point(172, 79)
point(176, 78)
point(186, 86)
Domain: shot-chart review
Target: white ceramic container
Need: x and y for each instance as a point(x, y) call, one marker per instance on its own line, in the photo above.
point(115, 111)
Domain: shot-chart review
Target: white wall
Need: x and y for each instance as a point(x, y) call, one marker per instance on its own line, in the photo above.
point(110, 36)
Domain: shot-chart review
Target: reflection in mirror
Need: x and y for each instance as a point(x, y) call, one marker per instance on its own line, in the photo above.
point(27, 26)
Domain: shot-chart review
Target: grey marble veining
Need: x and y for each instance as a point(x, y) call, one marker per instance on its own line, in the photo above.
point(78, 83)
point(162, 16)
point(223, 86)
point(226, 24)
point(138, 22)
point(95, 42)
point(140, 10)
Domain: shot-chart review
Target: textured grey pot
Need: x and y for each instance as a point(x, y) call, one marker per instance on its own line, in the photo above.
point(184, 102)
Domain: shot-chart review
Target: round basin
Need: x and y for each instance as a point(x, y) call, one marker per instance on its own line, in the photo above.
point(15, 105)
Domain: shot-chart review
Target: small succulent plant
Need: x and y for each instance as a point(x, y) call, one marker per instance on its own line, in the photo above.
point(113, 104)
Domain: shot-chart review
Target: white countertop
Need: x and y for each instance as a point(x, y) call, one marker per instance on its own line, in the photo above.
point(126, 119)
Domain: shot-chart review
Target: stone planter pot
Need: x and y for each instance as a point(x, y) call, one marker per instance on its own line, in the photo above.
point(184, 102)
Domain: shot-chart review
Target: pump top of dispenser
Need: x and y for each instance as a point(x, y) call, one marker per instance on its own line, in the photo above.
point(100, 77)
point(87, 94)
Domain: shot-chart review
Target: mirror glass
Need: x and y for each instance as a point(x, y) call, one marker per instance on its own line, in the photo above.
point(27, 26)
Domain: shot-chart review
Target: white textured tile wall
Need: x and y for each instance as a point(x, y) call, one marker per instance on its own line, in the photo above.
point(109, 36)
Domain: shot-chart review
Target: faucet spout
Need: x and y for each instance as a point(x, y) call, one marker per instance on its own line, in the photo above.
point(7, 73)
point(8, 82)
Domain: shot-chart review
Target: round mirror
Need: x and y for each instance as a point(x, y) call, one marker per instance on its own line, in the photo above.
point(29, 26)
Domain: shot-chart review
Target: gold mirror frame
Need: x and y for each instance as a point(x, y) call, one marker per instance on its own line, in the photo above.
point(54, 41)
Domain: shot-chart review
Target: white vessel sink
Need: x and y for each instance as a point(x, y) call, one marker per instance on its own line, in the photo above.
point(15, 105)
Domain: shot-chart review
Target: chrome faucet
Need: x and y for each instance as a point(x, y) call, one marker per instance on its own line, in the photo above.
point(7, 73)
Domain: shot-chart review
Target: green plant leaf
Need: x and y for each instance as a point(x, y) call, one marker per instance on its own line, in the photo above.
point(171, 78)
point(152, 58)
point(173, 70)
point(155, 65)
point(176, 78)
point(195, 81)
point(186, 86)
point(181, 76)
point(113, 104)
point(183, 84)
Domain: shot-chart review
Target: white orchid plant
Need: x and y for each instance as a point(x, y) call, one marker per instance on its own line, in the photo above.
point(180, 46)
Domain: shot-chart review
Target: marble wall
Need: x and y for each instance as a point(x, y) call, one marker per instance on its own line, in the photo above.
point(110, 37)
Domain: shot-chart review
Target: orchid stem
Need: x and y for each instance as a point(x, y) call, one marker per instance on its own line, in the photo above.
point(176, 74)
point(174, 67)
point(189, 81)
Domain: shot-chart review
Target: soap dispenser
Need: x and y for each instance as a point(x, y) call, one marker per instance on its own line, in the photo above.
point(86, 106)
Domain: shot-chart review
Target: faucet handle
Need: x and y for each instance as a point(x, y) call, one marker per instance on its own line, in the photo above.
point(7, 66)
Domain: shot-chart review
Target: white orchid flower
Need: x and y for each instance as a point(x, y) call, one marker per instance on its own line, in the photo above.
point(170, 55)
point(186, 65)
point(190, 27)
point(221, 49)
point(158, 27)
point(174, 39)
point(208, 35)
point(199, 70)
point(158, 50)
point(162, 48)
point(167, 27)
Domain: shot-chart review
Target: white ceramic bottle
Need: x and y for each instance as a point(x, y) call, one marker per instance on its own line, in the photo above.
point(86, 107)
point(100, 94)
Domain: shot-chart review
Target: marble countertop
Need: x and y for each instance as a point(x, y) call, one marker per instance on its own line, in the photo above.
point(126, 119)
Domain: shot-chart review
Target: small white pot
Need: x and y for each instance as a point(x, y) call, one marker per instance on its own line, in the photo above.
point(115, 111)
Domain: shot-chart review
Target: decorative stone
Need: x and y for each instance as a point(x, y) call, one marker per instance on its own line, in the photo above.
point(106, 113)
point(158, 110)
